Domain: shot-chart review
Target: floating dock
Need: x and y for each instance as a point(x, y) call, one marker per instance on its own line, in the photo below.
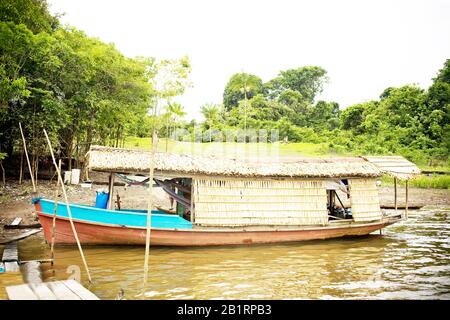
point(10, 258)
point(55, 290)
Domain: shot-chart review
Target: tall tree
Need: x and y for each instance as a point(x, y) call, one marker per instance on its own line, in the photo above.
point(308, 81)
point(241, 86)
point(32, 13)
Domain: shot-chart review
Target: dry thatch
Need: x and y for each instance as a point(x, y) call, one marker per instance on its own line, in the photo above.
point(365, 200)
point(395, 166)
point(138, 161)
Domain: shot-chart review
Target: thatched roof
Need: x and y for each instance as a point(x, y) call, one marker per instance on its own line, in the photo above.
point(395, 166)
point(170, 164)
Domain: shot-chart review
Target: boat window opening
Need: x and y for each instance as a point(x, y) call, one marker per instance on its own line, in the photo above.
point(337, 210)
point(179, 192)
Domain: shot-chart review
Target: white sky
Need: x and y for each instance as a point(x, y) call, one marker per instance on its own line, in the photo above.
point(366, 46)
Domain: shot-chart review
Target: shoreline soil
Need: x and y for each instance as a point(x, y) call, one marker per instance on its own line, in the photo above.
point(15, 199)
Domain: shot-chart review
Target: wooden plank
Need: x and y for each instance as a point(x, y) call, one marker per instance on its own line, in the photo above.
point(10, 252)
point(20, 236)
point(391, 206)
point(16, 221)
point(42, 291)
point(12, 267)
point(21, 292)
point(62, 291)
point(36, 260)
point(79, 290)
point(32, 272)
point(23, 226)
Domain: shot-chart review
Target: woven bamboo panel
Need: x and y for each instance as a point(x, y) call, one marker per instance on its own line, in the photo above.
point(365, 200)
point(230, 202)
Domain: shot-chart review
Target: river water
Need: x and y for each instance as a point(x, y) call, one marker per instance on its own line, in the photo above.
point(411, 260)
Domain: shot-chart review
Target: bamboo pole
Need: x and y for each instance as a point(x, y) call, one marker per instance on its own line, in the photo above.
point(55, 207)
point(68, 207)
point(406, 201)
point(28, 159)
point(149, 208)
point(150, 194)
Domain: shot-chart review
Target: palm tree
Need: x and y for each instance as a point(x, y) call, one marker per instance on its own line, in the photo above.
point(211, 113)
point(174, 111)
point(177, 110)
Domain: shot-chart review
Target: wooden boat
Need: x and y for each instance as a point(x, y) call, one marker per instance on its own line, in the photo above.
point(105, 227)
point(231, 202)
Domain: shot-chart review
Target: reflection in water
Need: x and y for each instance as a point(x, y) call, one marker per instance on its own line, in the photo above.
point(410, 260)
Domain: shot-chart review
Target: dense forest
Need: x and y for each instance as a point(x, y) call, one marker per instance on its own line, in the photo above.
point(84, 91)
point(81, 90)
point(407, 120)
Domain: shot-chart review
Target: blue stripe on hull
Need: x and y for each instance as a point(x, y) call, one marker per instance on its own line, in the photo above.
point(132, 218)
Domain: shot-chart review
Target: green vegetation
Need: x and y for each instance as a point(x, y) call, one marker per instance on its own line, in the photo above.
point(435, 182)
point(86, 92)
point(252, 149)
point(81, 90)
point(408, 120)
point(423, 181)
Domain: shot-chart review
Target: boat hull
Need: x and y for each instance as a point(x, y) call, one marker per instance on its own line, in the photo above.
point(98, 234)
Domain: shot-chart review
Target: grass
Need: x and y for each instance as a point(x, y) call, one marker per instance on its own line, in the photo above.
point(445, 169)
point(423, 181)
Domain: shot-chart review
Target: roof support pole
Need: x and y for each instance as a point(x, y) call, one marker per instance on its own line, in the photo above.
point(395, 194)
point(111, 191)
point(406, 201)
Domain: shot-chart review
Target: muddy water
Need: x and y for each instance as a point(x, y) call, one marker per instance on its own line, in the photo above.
point(410, 260)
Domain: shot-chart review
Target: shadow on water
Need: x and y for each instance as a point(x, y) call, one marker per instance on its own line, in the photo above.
point(410, 260)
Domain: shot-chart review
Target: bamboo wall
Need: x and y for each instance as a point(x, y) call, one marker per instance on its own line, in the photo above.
point(364, 199)
point(236, 202)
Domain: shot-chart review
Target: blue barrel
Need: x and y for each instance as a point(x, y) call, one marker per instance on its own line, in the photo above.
point(101, 201)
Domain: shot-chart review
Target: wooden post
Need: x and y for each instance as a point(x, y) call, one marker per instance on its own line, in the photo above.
point(111, 191)
point(192, 200)
point(395, 194)
point(68, 207)
point(406, 201)
point(55, 207)
point(28, 159)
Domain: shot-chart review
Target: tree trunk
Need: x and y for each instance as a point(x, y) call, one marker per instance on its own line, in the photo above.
point(21, 167)
point(117, 136)
point(89, 136)
point(69, 151)
point(33, 165)
point(3, 174)
point(36, 169)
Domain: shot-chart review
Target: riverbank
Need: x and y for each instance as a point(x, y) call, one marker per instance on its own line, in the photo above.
point(15, 199)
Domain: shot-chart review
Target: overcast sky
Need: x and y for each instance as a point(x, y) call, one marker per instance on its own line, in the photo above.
point(365, 46)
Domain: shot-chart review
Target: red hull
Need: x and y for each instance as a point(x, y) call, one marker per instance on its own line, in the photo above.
point(90, 233)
